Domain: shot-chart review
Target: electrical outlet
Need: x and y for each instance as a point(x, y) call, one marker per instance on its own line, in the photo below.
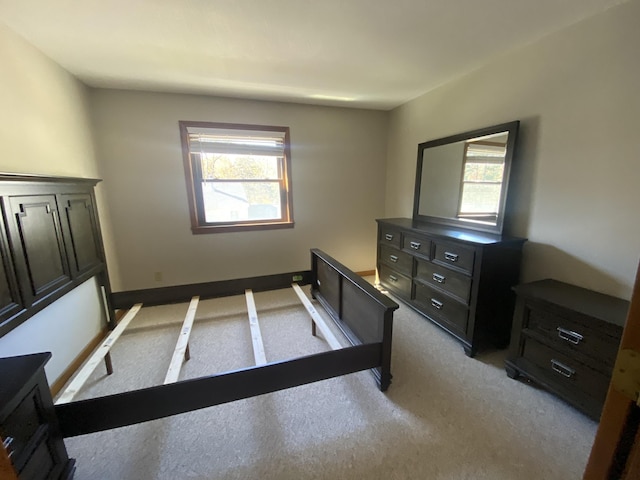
point(157, 276)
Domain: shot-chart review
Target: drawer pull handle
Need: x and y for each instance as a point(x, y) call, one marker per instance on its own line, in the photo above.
point(436, 304)
point(393, 278)
point(452, 257)
point(562, 369)
point(438, 278)
point(6, 443)
point(389, 237)
point(393, 258)
point(415, 245)
point(569, 336)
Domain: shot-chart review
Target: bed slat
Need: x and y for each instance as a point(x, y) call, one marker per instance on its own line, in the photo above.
point(88, 368)
point(326, 332)
point(256, 335)
point(181, 352)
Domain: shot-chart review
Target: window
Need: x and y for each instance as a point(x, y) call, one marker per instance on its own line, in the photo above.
point(238, 176)
point(482, 181)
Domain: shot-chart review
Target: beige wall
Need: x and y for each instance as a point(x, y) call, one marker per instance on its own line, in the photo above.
point(577, 182)
point(338, 170)
point(44, 126)
point(44, 129)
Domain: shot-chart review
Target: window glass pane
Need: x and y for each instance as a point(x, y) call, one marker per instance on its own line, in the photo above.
point(480, 198)
point(239, 167)
point(483, 172)
point(241, 201)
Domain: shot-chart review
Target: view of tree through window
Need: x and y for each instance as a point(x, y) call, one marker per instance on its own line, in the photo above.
point(253, 182)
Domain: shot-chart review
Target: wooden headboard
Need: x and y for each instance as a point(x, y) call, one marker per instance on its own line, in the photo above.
point(50, 242)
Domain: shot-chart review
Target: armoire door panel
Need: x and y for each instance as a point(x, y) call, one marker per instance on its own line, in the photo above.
point(10, 301)
point(42, 247)
point(80, 232)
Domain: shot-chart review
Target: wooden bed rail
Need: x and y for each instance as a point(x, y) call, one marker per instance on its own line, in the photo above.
point(112, 411)
point(358, 309)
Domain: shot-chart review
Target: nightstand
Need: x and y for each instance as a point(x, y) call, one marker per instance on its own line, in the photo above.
point(28, 425)
point(565, 338)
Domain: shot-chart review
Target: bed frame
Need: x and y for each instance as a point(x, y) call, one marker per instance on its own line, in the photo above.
point(362, 313)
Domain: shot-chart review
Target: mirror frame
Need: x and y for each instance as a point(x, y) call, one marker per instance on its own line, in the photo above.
point(512, 129)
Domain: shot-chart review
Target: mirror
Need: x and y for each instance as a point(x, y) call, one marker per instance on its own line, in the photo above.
point(462, 180)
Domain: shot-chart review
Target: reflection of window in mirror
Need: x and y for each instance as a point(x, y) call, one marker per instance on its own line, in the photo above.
point(482, 179)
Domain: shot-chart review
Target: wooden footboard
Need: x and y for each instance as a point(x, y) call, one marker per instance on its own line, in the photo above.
point(364, 315)
point(360, 311)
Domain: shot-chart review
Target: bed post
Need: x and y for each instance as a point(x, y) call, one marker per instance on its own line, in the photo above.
point(314, 287)
point(385, 362)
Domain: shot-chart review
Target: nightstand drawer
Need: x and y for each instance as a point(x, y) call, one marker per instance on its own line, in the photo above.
point(443, 307)
point(21, 426)
point(454, 256)
point(565, 372)
point(452, 282)
point(417, 245)
point(571, 335)
point(394, 281)
point(42, 463)
point(390, 236)
point(399, 261)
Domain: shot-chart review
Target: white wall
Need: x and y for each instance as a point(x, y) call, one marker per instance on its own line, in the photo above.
point(338, 171)
point(63, 328)
point(577, 178)
point(44, 129)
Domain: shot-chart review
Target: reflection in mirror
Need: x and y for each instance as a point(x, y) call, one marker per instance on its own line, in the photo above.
point(482, 174)
point(462, 180)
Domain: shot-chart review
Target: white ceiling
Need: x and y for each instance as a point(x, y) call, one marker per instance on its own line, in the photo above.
point(355, 53)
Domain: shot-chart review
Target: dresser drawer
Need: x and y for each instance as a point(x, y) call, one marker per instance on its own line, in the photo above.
point(417, 245)
point(452, 282)
point(389, 236)
point(448, 311)
point(399, 261)
point(564, 372)
point(395, 281)
point(455, 256)
point(570, 334)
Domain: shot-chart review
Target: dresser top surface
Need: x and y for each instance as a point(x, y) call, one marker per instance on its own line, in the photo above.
point(470, 236)
point(588, 302)
point(16, 373)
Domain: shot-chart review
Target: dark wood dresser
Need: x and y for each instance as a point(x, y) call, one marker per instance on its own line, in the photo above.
point(28, 425)
point(459, 279)
point(565, 338)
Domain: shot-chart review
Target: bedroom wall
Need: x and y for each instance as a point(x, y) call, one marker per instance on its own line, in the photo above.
point(576, 182)
point(338, 170)
point(44, 129)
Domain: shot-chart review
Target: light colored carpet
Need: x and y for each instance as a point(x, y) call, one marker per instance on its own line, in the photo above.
point(445, 416)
